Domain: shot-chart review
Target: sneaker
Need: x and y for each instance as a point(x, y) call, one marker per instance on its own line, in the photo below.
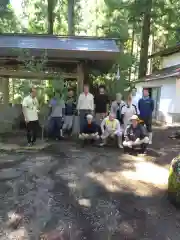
point(120, 146)
point(29, 145)
point(102, 144)
point(150, 142)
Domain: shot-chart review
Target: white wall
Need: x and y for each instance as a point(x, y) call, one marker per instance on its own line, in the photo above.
point(167, 98)
point(171, 60)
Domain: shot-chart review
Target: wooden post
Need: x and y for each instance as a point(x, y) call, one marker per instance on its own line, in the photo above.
point(80, 72)
point(6, 90)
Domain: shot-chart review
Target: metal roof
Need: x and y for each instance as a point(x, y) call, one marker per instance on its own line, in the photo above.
point(167, 51)
point(61, 46)
point(172, 71)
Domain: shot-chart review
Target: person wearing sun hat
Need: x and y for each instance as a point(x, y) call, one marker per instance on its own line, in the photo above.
point(90, 129)
point(135, 135)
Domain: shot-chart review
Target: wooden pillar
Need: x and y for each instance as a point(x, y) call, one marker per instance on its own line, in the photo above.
point(80, 82)
point(5, 90)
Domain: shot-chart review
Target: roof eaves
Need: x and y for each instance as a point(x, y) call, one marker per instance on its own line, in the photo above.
point(158, 78)
point(166, 52)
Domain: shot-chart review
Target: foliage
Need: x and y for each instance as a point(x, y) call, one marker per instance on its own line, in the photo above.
point(32, 64)
point(119, 19)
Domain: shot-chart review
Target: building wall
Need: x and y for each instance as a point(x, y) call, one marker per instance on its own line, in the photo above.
point(168, 110)
point(171, 60)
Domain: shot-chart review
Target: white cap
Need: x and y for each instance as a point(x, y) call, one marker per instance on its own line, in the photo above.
point(112, 114)
point(89, 117)
point(134, 117)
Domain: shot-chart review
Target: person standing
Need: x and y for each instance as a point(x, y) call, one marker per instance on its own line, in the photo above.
point(101, 105)
point(135, 98)
point(70, 107)
point(146, 108)
point(127, 111)
point(30, 111)
point(57, 109)
point(85, 105)
point(116, 106)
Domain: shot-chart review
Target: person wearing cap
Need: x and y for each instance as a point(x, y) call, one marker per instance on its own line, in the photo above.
point(146, 108)
point(117, 105)
point(111, 128)
point(135, 135)
point(90, 129)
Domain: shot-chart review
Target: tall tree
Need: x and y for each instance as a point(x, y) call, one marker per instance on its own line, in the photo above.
point(51, 5)
point(71, 4)
point(146, 25)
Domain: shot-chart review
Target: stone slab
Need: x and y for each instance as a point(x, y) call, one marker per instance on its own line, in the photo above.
point(10, 173)
point(7, 161)
point(18, 148)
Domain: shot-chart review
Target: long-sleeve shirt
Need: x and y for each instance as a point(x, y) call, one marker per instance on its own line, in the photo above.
point(146, 107)
point(135, 100)
point(57, 107)
point(70, 107)
point(90, 128)
point(110, 125)
point(127, 111)
point(131, 133)
point(115, 106)
point(85, 102)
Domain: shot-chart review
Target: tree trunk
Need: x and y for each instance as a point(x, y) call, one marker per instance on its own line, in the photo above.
point(50, 16)
point(145, 39)
point(70, 17)
point(132, 50)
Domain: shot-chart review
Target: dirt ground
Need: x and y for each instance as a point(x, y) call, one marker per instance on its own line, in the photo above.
point(88, 193)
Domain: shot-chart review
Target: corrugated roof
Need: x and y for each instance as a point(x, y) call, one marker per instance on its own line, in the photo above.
point(172, 71)
point(58, 43)
point(167, 51)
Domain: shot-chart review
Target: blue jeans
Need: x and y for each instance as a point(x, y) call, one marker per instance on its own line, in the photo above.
point(55, 125)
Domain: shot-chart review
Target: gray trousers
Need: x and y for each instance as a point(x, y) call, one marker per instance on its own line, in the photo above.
point(68, 122)
point(82, 117)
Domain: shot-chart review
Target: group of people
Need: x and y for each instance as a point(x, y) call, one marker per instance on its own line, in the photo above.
point(99, 119)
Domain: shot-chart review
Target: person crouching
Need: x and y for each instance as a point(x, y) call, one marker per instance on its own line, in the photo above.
point(90, 130)
point(135, 136)
point(110, 128)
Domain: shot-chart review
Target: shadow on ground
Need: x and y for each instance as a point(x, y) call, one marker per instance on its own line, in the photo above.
point(88, 193)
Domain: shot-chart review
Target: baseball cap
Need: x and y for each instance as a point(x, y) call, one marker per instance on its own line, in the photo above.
point(134, 117)
point(89, 116)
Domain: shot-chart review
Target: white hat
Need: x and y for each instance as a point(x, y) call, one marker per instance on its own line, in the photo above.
point(134, 117)
point(89, 117)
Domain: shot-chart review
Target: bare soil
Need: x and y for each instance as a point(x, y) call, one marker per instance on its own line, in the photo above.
point(70, 192)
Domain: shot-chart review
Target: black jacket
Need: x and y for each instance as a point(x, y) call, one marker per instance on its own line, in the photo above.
point(90, 129)
point(131, 134)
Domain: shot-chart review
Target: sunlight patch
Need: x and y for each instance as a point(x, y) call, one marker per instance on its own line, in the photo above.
point(149, 173)
point(84, 202)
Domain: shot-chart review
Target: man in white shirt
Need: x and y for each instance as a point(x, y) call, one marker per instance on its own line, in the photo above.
point(135, 98)
point(111, 128)
point(85, 105)
point(30, 110)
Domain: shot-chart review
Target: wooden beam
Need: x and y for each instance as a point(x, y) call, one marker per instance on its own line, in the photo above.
point(26, 74)
point(80, 73)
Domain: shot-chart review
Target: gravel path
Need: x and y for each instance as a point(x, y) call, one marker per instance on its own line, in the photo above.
point(88, 193)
